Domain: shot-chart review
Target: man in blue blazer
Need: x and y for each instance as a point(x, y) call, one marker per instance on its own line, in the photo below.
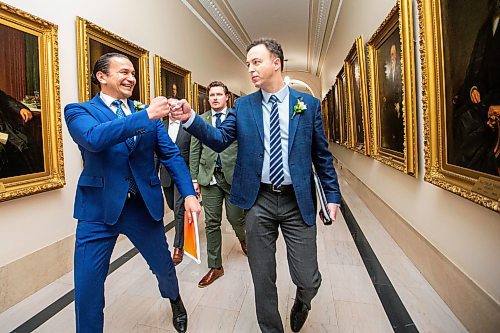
point(119, 190)
point(280, 137)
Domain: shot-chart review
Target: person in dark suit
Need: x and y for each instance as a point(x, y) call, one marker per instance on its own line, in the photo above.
point(19, 155)
point(175, 201)
point(280, 137)
point(477, 106)
point(213, 173)
point(119, 191)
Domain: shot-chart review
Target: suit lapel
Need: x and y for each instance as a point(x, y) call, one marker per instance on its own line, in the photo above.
point(99, 105)
point(292, 126)
point(256, 107)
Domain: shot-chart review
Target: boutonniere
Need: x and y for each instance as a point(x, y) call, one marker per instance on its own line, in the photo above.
point(138, 106)
point(299, 107)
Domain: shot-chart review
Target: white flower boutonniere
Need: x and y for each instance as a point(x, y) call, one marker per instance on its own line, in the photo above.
point(138, 106)
point(299, 107)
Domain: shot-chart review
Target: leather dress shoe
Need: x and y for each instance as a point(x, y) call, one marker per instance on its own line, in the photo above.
point(244, 247)
point(179, 315)
point(298, 315)
point(178, 256)
point(212, 275)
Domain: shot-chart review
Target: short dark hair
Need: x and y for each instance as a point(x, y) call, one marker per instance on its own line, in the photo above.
point(102, 65)
point(217, 84)
point(272, 45)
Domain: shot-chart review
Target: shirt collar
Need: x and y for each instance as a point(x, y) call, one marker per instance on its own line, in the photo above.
point(281, 94)
point(224, 111)
point(170, 121)
point(108, 100)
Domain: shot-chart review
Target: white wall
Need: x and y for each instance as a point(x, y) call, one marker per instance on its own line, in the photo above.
point(466, 233)
point(166, 28)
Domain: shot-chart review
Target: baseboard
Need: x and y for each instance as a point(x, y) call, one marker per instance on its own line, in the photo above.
point(469, 302)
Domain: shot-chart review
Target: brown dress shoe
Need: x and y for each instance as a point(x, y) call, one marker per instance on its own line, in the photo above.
point(178, 255)
point(212, 275)
point(244, 247)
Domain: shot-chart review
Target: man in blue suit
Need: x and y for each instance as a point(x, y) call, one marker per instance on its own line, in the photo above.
point(280, 137)
point(119, 190)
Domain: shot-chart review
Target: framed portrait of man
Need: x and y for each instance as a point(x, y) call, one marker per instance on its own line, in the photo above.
point(171, 80)
point(392, 88)
point(462, 97)
point(200, 98)
point(94, 41)
point(31, 156)
point(335, 114)
point(344, 117)
point(357, 94)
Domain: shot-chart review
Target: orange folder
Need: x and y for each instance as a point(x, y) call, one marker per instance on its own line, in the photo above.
point(192, 238)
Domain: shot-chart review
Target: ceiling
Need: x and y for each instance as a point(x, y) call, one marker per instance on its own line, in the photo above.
point(303, 27)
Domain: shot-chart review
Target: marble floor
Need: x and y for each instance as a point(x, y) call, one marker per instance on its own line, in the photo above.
point(347, 300)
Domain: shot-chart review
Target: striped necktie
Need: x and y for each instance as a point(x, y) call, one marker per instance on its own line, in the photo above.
point(132, 186)
point(276, 175)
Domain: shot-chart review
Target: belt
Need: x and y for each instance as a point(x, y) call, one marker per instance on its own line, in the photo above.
point(273, 189)
point(218, 169)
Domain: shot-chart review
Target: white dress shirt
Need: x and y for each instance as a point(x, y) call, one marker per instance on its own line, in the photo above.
point(173, 129)
point(108, 100)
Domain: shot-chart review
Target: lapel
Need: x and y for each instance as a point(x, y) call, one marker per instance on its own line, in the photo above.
point(256, 107)
point(292, 126)
point(102, 108)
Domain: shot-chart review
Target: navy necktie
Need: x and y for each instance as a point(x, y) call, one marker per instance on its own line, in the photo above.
point(218, 122)
point(276, 174)
point(132, 186)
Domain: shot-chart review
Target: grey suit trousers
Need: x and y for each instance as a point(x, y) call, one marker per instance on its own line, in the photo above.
point(270, 212)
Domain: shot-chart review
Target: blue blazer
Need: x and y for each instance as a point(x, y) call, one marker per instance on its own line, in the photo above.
point(108, 163)
point(307, 146)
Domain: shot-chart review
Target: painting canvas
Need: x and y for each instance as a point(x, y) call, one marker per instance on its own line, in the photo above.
point(30, 119)
point(200, 98)
point(171, 80)
point(462, 104)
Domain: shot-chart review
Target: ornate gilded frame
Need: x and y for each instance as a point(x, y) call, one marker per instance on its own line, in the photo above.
point(478, 187)
point(324, 116)
point(336, 114)
point(343, 103)
point(400, 18)
point(161, 65)
point(52, 176)
point(357, 52)
point(86, 32)
point(199, 91)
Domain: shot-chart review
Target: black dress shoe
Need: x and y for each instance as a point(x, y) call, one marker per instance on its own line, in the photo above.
point(179, 314)
point(298, 315)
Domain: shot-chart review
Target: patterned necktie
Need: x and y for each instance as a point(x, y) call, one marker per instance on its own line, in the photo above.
point(276, 175)
point(218, 122)
point(132, 186)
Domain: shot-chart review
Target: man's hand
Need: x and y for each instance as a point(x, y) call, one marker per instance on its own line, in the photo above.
point(192, 206)
point(332, 209)
point(180, 110)
point(26, 115)
point(475, 96)
point(197, 189)
point(158, 108)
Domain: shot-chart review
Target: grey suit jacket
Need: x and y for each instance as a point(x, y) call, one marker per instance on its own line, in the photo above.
point(183, 141)
point(202, 158)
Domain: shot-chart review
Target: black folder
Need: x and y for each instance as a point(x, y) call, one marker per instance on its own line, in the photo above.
point(324, 212)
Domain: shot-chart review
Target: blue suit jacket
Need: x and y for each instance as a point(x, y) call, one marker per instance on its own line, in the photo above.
point(109, 163)
point(307, 146)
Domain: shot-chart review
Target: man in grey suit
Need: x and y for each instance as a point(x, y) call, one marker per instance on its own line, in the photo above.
point(174, 198)
point(214, 173)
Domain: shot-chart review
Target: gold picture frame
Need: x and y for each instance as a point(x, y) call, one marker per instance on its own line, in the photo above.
point(94, 41)
point(336, 124)
point(200, 98)
point(343, 104)
point(31, 145)
point(171, 80)
point(447, 98)
point(357, 94)
point(392, 91)
point(324, 116)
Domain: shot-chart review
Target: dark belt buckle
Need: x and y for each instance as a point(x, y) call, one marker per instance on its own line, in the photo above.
point(276, 189)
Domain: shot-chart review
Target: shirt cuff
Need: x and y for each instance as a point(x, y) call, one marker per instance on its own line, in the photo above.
point(190, 120)
point(191, 195)
point(336, 204)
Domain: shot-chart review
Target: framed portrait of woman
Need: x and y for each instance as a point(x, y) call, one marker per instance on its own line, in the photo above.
point(461, 99)
point(94, 41)
point(31, 152)
point(357, 94)
point(392, 89)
